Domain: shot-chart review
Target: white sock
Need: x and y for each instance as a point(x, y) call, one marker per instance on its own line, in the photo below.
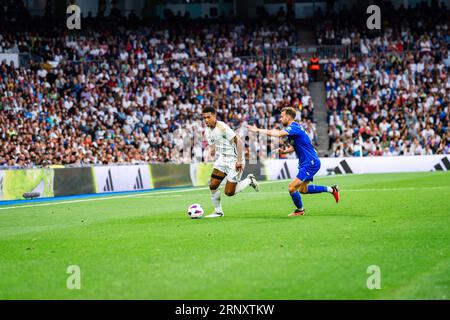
point(242, 185)
point(215, 199)
point(330, 189)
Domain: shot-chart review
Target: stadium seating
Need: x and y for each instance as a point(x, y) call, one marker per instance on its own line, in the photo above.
point(392, 96)
point(117, 95)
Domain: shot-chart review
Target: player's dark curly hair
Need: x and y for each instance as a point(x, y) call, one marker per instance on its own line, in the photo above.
point(209, 109)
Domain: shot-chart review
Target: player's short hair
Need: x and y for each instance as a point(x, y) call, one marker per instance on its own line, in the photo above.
point(209, 109)
point(290, 112)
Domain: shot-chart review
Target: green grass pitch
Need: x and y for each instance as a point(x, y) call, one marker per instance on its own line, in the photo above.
point(146, 247)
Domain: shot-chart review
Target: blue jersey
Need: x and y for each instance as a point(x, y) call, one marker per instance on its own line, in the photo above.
point(303, 147)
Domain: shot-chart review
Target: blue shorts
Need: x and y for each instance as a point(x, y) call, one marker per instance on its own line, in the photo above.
point(306, 172)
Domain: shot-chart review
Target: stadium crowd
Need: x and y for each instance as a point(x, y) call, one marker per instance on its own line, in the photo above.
point(117, 94)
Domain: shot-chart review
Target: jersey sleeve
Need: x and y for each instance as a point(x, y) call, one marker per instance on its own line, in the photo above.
point(229, 133)
point(290, 130)
point(295, 131)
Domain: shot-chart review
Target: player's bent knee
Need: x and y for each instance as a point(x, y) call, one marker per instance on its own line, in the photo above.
point(229, 193)
point(292, 188)
point(303, 189)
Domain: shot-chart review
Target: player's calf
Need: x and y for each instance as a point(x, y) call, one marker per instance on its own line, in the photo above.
point(303, 188)
point(233, 188)
point(295, 195)
point(214, 183)
point(313, 189)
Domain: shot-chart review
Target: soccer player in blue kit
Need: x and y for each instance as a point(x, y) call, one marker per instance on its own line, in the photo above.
point(309, 162)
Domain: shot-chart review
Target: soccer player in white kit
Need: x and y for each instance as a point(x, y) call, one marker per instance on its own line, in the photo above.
point(230, 161)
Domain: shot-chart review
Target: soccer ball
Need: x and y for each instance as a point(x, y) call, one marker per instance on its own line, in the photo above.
point(195, 211)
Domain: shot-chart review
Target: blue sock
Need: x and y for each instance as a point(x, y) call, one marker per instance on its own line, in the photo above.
point(297, 199)
point(317, 189)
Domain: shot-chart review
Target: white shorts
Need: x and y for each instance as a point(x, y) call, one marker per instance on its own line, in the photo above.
point(229, 168)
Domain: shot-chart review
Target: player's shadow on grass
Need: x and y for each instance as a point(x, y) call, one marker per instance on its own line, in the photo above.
point(338, 215)
point(308, 215)
point(277, 217)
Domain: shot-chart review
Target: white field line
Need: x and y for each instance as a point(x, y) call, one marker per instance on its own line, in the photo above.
point(97, 198)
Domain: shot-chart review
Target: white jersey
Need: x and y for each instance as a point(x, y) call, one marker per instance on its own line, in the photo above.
point(222, 137)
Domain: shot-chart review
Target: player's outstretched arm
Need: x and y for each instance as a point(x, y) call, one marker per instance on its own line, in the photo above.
point(240, 150)
point(271, 133)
